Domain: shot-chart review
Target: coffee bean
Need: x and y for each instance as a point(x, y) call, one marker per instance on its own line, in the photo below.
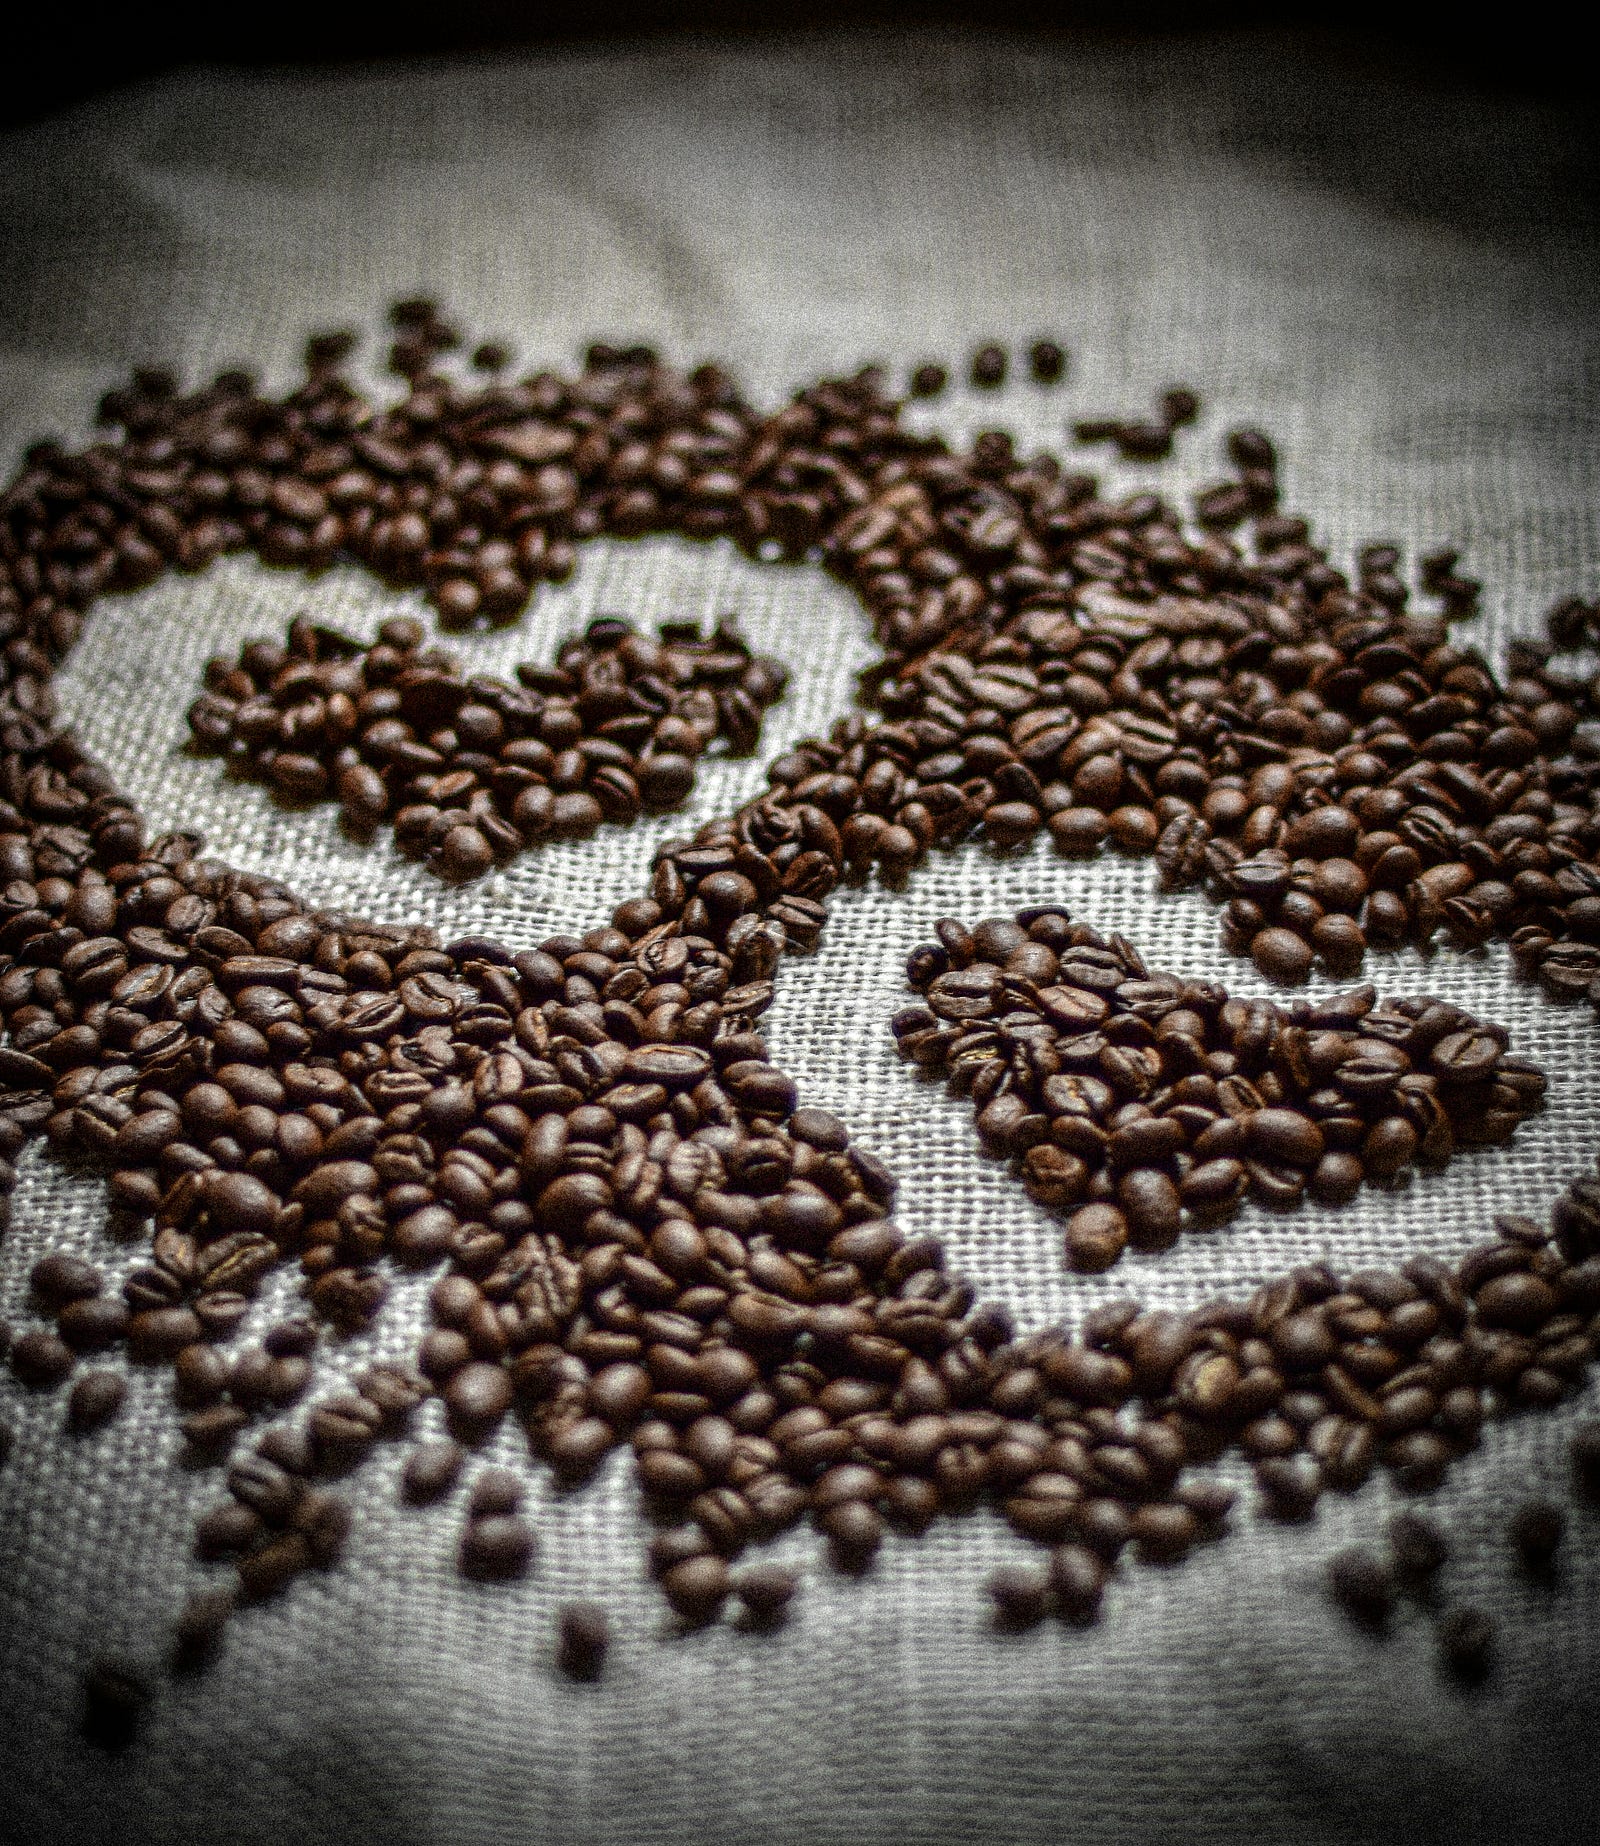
point(1536, 1531)
point(496, 1490)
point(198, 1631)
point(95, 1399)
point(431, 1470)
point(696, 1588)
point(1077, 1579)
point(989, 366)
point(1466, 1645)
point(1096, 1237)
point(766, 1591)
point(928, 380)
point(1046, 361)
point(114, 1700)
point(1362, 1586)
point(1418, 1548)
point(496, 1547)
point(1585, 1451)
point(583, 1637)
point(59, 1278)
point(1021, 1595)
point(40, 1360)
point(476, 1397)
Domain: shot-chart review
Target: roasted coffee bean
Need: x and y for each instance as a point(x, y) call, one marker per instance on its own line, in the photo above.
point(40, 1360)
point(1021, 1595)
point(95, 1399)
point(1466, 1645)
point(431, 1470)
point(1585, 1451)
point(1536, 1531)
point(496, 1547)
point(989, 366)
point(766, 1591)
point(1047, 361)
point(583, 1636)
point(1362, 1586)
point(1417, 1547)
point(677, 1250)
point(197, 1633)
point(697, 1587)
point(1077, 1580)
point(114, 1700)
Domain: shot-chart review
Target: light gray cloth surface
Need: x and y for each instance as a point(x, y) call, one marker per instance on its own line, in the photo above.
point(1399, 284)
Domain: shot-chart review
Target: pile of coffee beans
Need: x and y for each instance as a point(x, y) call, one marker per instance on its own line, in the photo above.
point(471, 771)
point(1146, 1105)
point(639, 1233)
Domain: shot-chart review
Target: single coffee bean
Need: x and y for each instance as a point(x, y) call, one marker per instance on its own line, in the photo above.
point(1585, 1451)
point(766, 1591)
point(1077, 1579)
point(496, 1490)
point(497, 1547)
point(198, 1631)
point(1047, 361)
point(582, 1637)
point(1021, 1595)
point(989, 366)
point(1362, 1586)
point(697, 1587)
point(1536, 1531)
point(431, 1470)
point(1466, 1645)
point(1417, 1547)
point(114, 1700)
point(95, 1399)
point(40, 1359)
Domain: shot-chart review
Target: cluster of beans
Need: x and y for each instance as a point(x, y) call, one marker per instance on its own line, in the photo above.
point(638, 1233)
point(1368, 1584)
point(471, 771)
point(1150, 439)
point(1145, 1105)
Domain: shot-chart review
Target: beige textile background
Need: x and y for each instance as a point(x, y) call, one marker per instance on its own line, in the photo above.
point(1399, 283)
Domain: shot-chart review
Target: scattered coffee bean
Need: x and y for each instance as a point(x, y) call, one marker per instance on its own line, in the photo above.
point(1466, 1644)
point(1536, 1532)
point(582, 1637)
point(40, 1360)
point(496, 1547)
point(95, 1399)
point(989, 366)
point(198, 1631)
point(1021, 1595)
point(641, 1237)
point(114, 1699)
point(1585, 1452)
point(1417, 1547)
point(1362, 1587)
point(766, 1591)
point(1047, 361)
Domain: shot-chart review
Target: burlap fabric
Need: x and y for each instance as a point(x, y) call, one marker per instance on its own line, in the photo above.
point(1399, 284)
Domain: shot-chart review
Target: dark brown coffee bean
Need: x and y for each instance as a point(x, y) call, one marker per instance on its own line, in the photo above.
point(696, 1588)
point(114, 1701)
point(766, 1591)
point(95, 1399)
point(228, 1527)
point(59, 1278)
point(1585, 1451)
point(1281, 956)
point(197, 1633)
point(497, 1547)
point(1418, 1548)
point(476, 1397)
point(1536, 1531)
point(1096, 1237)
point(583, 1636)
point(1466, 1645)
point(989, 366)
point(40, 1359)
point(431, 1470)
point(1077, 1579)
point(1047, 361)
point(1021, 1595)
point(1362, 1587)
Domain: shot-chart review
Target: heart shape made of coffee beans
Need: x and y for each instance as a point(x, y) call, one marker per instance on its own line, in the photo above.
point(643, 1234)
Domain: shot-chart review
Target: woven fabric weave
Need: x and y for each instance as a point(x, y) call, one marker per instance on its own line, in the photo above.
point(1397, 282)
